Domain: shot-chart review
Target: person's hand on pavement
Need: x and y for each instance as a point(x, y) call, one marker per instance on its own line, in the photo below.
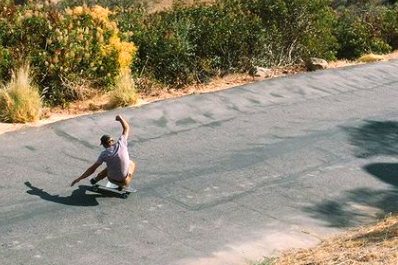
point(75, 181)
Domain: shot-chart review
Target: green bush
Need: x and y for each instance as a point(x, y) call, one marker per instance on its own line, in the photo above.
point(230, 37)
point(5, 54)
point(67, 45)
point(192, 43)
point(369, 29)
point(296, 29)
point(389, 26)
point(78, 45)
point(166, 48)
point(5, 62)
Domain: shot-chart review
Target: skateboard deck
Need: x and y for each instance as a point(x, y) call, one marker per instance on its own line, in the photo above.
point(125, 192)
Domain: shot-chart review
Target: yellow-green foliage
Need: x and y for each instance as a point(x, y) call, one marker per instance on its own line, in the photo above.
point(98, 36)
point(65, 44)
point(123, 93)
point(368, 58)
point(19, 100)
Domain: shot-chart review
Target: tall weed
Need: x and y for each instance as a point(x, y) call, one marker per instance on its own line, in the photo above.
point(20, 101)
point(123, 93)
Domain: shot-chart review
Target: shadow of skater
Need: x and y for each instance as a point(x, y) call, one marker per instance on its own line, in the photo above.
point(374, 138)
point(77, 198)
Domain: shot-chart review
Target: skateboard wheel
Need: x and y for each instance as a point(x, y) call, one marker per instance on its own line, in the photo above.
point(125, 195)
point(95, 188)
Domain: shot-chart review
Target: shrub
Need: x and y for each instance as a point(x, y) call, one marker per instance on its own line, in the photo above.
point(167, 51)
point(67, 44)
point(19, 100)
point(76, 48)
point(5, 54)
point(230, 37)
point(365, 30)
point(192, 43)
point(295, 29)
point(388, 24)
point(123, 93)
point(5, 62)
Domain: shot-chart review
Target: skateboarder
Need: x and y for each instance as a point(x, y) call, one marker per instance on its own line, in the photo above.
point(119, 168)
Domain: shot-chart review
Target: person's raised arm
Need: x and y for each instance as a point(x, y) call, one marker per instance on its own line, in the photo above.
point(125, 125)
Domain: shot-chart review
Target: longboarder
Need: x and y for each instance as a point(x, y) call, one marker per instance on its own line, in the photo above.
point(119, 167)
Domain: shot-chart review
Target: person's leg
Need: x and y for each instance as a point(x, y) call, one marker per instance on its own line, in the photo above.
point(129, 177)
point(103, 174)
point(131, 172)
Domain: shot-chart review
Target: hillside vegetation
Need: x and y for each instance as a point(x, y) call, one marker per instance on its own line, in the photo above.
point(76, 49)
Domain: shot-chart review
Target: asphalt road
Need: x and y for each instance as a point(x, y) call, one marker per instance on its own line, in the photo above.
point(222, 178)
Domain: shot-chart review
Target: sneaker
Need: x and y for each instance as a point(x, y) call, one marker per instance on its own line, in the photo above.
point(93, 181)
point(111, 185)
point(130, 188)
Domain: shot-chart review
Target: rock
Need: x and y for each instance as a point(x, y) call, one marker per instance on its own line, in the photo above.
point(314, 64)
point(262, 72)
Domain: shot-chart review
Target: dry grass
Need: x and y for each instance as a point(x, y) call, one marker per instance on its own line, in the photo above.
point(373, 245)
point(19, 101)
point(123, 94)
point(80, 89)
point(368, 58)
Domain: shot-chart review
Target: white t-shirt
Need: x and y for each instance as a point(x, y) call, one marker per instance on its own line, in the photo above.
point(117, 159)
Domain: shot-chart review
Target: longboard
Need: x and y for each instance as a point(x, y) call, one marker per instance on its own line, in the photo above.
point(125, 192)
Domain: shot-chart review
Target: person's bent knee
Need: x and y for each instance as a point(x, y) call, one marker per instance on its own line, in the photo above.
point(131, 167)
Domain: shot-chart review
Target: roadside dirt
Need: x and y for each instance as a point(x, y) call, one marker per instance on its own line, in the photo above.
point(95, 104)
point(374, 244)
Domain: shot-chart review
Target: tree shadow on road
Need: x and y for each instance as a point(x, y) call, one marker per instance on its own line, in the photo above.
point(361, 205)
point(374, 138)
point(355, 207)
point(386, 172)
point(77, 198)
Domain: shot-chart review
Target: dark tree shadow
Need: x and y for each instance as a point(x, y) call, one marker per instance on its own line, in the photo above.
point(355, 207)
point(77, 198)
point(374, 138)
point(386, 172)
point(361, 205)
